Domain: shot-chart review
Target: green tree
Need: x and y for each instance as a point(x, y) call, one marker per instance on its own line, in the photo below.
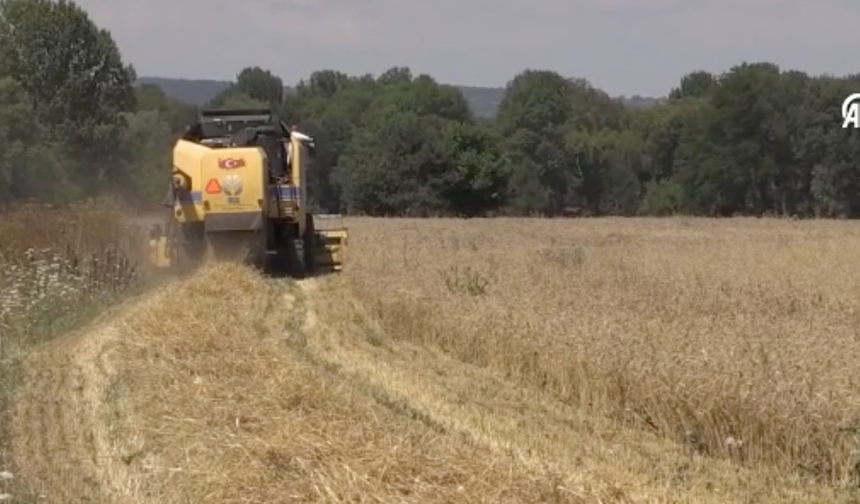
point(76, 82)
point(29, 164)
point(148, 139)
point(694, 85)
point(532, 120)
point(412, 148)
point(260, 85)
point(176, 114)
point(476, 179)
point(330, 105)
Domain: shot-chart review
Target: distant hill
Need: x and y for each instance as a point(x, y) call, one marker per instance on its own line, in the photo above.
point(193, 91)
point(484, 101)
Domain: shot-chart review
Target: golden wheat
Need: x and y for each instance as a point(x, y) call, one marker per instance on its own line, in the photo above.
point(737, 338)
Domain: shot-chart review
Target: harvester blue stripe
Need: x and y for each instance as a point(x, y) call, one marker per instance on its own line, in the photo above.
point(279, 192)
point(194, 196)
point(284, 192)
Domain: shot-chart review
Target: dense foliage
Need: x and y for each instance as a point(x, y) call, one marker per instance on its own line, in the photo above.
point(754, 140)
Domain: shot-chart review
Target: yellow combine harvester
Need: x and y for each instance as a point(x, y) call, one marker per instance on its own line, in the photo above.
point(239, 191)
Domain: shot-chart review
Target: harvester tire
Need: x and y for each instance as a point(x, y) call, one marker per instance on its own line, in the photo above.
point(289, 261)
point(309, 245)
point(295, 266)
point(190, 245)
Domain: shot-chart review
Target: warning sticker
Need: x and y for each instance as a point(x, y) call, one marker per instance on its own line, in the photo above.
point(213, 187)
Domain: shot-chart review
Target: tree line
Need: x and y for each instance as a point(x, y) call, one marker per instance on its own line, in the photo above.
point(753, 140)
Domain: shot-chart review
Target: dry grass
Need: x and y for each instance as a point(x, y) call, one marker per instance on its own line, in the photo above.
point(55, 263)
point(52, 261)
point(213, 406)
point(58, 268)
point(737, 338)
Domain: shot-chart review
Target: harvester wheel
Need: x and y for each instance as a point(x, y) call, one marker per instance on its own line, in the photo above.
point(287, 260)
point(294, 263)
point(309, 245)
point(187, 246)
point(194, 242)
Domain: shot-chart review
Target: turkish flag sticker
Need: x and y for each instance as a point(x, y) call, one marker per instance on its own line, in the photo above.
point(231, 163)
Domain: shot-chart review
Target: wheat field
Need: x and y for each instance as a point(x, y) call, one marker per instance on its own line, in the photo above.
point(737, 338)
point(506, 360)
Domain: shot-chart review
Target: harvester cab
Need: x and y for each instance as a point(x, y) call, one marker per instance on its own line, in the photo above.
point(239, 190)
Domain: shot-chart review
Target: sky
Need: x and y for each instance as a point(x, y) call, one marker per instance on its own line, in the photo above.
point(625, 47)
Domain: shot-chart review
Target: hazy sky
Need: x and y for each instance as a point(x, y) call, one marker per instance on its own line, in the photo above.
point(623, 46)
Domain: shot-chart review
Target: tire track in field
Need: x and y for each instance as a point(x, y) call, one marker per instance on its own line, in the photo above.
point(449, 396)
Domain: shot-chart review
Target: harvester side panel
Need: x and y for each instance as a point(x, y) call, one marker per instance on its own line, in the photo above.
point(234, 189)
point(300, 175)
point(287, 198)
point(186, 163)
point(298, 178)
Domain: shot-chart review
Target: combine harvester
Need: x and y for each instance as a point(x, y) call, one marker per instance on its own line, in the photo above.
point(239, 192)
